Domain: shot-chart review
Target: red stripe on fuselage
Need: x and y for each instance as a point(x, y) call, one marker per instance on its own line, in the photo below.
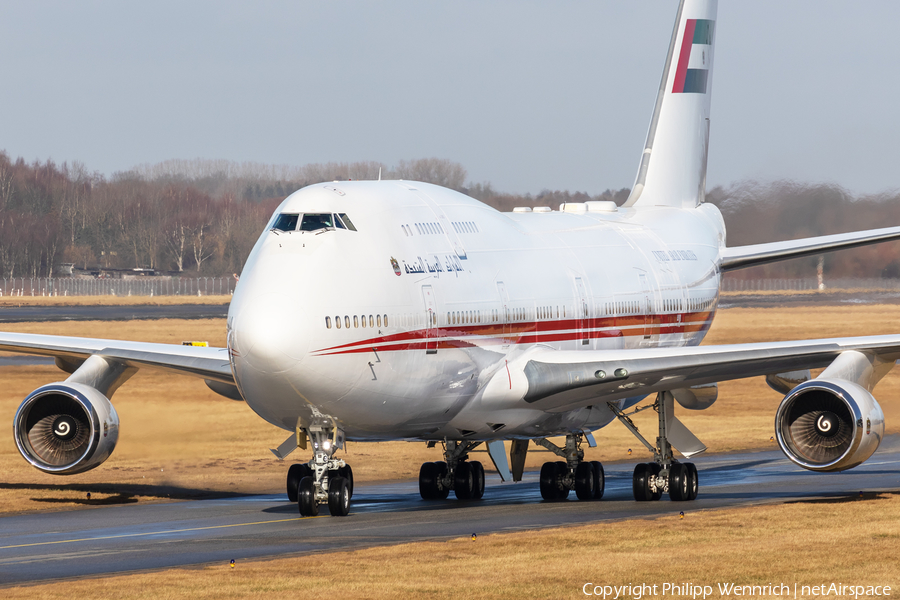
point(533, 332)
point(684, 57)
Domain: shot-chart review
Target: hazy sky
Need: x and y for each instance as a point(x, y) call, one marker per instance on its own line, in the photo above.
point(527, 95)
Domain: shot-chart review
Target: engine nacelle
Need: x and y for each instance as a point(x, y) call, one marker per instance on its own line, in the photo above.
point(829, 425)
point(66, 428)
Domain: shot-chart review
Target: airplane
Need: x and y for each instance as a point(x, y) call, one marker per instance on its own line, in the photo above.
point(400, 310)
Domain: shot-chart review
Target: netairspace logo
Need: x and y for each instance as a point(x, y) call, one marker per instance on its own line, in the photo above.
point(697, 592)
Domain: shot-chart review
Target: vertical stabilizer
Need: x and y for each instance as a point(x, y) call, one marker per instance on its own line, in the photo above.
point(673, 165)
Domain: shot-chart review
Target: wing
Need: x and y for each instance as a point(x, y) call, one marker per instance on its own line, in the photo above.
point(564, 380)
point(757, 254)
point(207, 363)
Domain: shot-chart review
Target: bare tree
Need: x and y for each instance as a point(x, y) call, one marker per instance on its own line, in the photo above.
point(438, 171)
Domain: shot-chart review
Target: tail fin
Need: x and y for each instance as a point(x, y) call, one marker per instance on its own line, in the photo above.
point(673, 166)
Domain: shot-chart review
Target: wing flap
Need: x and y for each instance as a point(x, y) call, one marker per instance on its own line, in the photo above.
point(559, 381)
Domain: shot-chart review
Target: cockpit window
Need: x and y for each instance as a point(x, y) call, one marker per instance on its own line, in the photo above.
point(347, 222)
point(286, 222)
point(315, 221)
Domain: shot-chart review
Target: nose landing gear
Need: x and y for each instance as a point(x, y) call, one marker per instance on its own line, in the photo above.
point(324, 479)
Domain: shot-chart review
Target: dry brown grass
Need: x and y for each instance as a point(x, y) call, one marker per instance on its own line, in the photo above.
point(179, 439)
point(111, 300)
point(852, 541)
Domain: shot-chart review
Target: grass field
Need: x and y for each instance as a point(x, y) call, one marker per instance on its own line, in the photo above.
point(178, 439)
point(110, 300)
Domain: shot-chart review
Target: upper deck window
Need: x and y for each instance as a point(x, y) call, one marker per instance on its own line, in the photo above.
point(286, 222)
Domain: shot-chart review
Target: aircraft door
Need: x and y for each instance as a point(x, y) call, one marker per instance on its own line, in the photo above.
point(651, 323)
point(582, 319)
point(504, 313)
point(431, 329)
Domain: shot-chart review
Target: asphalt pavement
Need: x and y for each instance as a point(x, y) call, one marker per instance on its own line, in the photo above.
point(115, 539)
point(21, 314)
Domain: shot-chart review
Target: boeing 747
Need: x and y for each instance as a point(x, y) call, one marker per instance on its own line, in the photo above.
point(398, 310)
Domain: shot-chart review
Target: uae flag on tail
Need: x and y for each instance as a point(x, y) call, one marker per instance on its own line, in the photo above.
point(694, 60)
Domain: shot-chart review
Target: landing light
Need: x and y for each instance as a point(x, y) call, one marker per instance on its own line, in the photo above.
point(326, 445)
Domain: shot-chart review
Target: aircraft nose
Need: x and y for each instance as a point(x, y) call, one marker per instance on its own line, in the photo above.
point(267, 334)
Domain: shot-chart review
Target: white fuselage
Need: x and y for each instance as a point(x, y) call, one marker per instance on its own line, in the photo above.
point(394, 329)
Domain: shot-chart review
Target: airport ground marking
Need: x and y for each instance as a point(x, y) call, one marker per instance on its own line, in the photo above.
point(125, 535)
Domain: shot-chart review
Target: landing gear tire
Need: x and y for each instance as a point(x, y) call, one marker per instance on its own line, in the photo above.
point(679, 483)
point(347, 473)
point(640, 483)
point(548, 481)
point(306, 497)
point(443, 491)
point(295, 474)
point(464, 483)
point(551, 474)
point(584, 481)
point(431, 476)
point(562, 469)
point(428, 481)
point(694, 481)
point(338, 497)
point(655, 469)
point(599, 480)
point(477, 479)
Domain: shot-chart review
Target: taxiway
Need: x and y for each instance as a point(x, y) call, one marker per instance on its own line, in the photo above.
point(106, 540)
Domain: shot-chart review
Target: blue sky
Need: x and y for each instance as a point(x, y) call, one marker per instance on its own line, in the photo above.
point(527, 95)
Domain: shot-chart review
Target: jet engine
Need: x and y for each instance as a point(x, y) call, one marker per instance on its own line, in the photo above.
point(66, 428)
point(829, 425)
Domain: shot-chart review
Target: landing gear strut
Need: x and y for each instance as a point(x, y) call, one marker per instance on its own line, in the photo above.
point(456, 472)
point(665, 474)
point(574, 473)
point(324, 479)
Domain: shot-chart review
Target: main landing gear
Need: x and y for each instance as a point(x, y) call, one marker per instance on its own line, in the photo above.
point(574, 473)
point(456, 472)
point(665, 474)
point(324, 479)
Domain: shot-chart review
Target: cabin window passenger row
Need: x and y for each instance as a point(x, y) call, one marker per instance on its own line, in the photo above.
point(358, 321)
point(461, 317)
point(465, 227)
point(428, 228)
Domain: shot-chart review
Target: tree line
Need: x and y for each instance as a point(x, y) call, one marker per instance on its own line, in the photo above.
point(202, 216)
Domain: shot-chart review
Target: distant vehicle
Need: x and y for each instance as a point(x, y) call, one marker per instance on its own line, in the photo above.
point(384, 310)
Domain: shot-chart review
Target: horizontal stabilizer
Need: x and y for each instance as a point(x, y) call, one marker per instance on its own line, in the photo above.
point(742, 257)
